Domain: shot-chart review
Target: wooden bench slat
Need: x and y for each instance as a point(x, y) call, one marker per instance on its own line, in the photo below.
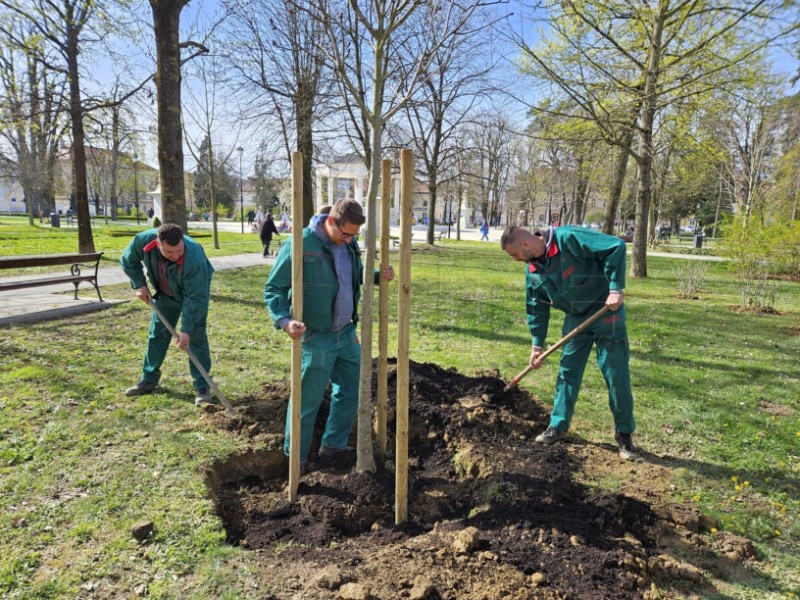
point(89, 261)
point(21, 262)
point(18, 285)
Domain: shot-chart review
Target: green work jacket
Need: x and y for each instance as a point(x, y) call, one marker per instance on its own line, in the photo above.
point(189, 278)
point(320, 283)
point(581, 267)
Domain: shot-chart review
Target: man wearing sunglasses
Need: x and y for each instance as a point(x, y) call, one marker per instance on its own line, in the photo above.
point(332, 277)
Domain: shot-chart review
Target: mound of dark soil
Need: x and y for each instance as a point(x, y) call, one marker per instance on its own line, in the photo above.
point(490, 513)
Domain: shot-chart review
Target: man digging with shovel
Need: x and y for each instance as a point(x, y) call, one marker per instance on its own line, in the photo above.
point(578, 271)
point(181, 275)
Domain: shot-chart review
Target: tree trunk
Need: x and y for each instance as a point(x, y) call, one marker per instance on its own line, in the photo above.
point(644, 190)
point(85, 241)
point(620, 168)
point(166, 24)
point(305, 144)
point(213, 192)
point(432, 187)
point(365, 460)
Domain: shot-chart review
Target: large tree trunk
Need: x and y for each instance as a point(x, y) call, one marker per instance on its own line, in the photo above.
point(85, 241)
point(644, 190)
point(166, 25)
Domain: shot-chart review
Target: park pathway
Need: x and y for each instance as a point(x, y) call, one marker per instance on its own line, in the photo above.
point(51, 302)
point(44, 303)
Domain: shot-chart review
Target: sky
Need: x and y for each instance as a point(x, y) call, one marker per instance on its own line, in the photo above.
point(198, 15)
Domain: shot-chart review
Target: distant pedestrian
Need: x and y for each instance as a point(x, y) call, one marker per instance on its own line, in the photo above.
point(259, 219)
point(485, 231)
point(251, 216)
point(266, 232)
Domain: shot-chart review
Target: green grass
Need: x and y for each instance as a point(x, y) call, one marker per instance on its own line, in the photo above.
point(17, 238)
point(80, 463)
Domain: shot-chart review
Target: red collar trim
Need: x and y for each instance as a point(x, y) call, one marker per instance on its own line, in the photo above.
point(551, 252)
point(154, 245)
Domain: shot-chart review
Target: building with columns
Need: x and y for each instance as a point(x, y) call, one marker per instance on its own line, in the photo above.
point(347, 177)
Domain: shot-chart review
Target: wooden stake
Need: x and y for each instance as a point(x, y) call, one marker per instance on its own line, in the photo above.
point(297, 314)
point(403, 305)
point(383, 308)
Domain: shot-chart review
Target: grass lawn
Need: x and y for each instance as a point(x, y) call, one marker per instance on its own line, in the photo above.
point(717, 392)
point(19, 238)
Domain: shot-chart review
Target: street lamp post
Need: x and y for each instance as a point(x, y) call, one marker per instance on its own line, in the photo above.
point(241, 189)
point(135, 187)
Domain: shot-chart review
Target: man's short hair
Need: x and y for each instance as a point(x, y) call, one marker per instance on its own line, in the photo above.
point(348, 211)
point(512, 235)
point(170, 234)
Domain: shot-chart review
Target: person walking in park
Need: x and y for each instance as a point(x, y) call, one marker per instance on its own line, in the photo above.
point(251, 216)
point(577, 271)
point(485, 231)
point(180, 274)
point(268, 229)
point(332, 277)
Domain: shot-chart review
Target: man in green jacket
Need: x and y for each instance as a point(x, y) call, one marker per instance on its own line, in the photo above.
point(332, 278)
point(577, 271)
point(180, 273)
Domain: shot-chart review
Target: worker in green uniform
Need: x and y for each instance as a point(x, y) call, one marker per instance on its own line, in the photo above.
point(577, 271)
point(180, 274)
point(332, 278)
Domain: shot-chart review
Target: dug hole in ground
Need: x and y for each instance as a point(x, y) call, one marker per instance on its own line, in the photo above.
point(491, 514)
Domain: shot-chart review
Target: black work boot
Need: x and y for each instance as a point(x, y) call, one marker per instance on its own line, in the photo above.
point(550, 435)
point(141, 388)
point(625, 443)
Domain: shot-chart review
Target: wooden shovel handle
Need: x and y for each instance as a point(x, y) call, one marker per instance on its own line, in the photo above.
point(558, 345)
point(211, 383)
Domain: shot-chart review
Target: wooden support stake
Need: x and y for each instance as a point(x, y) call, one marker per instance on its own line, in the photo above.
point(403, 306)
point(383, 308)
point(297, 314)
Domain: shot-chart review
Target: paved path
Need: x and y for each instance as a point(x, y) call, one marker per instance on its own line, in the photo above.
point(38, 304)
point(49, 302)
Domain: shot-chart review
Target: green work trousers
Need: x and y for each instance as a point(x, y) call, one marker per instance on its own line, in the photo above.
point(610, 336)
point(160, 338)
point(335, 357)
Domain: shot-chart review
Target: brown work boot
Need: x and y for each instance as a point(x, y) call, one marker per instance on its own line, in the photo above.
point(143, 387)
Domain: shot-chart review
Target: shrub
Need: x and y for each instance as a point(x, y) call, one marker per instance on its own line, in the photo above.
point(156, 222)
point(784, 251)
point(690, 275)
point(750, 247)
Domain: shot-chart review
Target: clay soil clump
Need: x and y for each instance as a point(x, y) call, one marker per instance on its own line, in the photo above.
point(491, 514)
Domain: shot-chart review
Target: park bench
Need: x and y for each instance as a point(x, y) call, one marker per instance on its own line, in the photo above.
point(396, 239)
point(89, 261)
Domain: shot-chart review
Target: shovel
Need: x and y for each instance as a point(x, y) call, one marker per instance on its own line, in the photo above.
point(558, 345)
point(230, 411)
